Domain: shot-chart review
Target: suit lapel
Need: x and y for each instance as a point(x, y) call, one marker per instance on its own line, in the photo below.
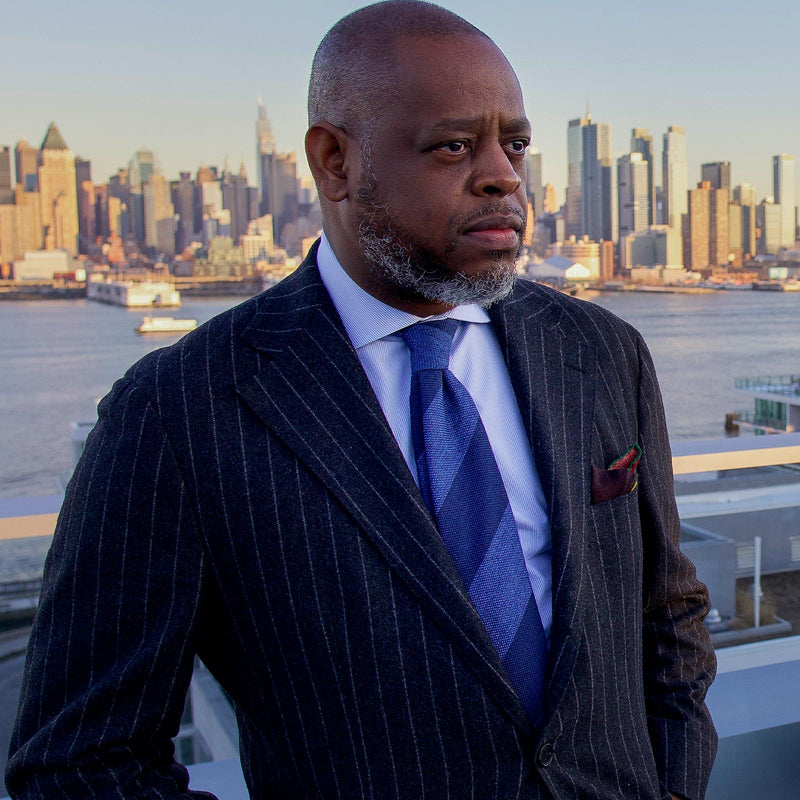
point(314, 395)
point(552, 368)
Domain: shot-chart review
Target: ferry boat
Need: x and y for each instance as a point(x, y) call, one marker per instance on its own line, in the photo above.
point(166, 325)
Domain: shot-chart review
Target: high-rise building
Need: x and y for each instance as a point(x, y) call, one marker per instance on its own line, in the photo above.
point(34, 239)
point(119, 204)
point(6, 184)
point(705, 228)
point(26, 162)
point(735, 235)
point(574, 210)
point(675, 176)
point(159, 215)
point(140, 170)
point(533, 163)
point(236, 198)
point(784, 191)
point(633, 192)
point(183, 201)
point(768, 220)
point(57, 194)
point(550, 199)
point(84, 189)
point(642, 142)
point(718, 174)
point(745, 196)
point(598, 183)
point(265, 151)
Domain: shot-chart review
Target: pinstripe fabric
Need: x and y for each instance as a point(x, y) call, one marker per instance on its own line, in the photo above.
point(242, 498)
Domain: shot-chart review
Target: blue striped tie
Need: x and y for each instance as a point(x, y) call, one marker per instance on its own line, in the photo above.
point(463, 488)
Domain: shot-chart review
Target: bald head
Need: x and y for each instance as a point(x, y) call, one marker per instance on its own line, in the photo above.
point(352, 72)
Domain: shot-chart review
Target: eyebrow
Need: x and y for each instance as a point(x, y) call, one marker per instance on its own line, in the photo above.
point(470, 123)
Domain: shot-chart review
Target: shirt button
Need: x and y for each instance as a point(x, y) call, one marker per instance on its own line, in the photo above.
point(545, 754)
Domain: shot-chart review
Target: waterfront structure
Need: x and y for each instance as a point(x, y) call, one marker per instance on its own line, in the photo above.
point(632, 190)
point(718, 174)
point(574, 209)
point(783, 188)
point(26, 163)
point(57, 195)
point(133, 294)
point(533, 162)
point(675, 177)
point(642, 142)
point(598, 183)
point(42, 265)
point(659, 245)
point(580, 251)
point(705, 228)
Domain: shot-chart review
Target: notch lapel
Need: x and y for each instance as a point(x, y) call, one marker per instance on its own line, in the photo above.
point(552, 368)
point(315, 396)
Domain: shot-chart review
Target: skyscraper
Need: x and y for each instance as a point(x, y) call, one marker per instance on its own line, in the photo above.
point(86, 199)
point(26, 161)
point(265, 152)
point(745, 195)
point(598, 183)
point(236, 198)
point(633, 191)
point(675, 176)
point(783, 189)
point(705, 227)
point(140, 170)
point(718, 174)
point(6, 184)
point(575, 226)
point(57, 195)
point(533, 162)
point(642, 142)
point(159, 214)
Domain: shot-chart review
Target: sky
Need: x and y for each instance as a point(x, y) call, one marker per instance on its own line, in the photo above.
point(182, 77)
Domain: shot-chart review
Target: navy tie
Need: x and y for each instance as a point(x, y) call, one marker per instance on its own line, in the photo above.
point(462, 487)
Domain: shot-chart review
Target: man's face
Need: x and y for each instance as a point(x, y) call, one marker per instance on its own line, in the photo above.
point(440, 207)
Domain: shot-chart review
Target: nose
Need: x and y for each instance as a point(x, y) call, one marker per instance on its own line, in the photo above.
point(494, 174)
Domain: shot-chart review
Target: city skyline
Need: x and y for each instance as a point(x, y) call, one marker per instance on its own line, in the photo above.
point(186, 84)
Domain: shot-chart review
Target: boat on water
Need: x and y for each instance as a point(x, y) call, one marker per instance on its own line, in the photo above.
point(166, 325)
point(133, 294)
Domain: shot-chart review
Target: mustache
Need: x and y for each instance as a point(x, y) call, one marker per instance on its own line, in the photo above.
point(490, 210)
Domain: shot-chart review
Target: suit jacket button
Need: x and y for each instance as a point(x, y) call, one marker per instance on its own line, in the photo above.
point(545, 754)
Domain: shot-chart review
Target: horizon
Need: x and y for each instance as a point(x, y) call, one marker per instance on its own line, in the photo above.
point(187, 88)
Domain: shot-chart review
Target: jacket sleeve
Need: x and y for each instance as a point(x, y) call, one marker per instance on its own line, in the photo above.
point(112, 647)
point(678, 660)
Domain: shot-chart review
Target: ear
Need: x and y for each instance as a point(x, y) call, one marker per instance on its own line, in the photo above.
point(326, 150)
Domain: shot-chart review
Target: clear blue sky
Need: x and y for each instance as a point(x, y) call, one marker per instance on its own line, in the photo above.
point(181, 77)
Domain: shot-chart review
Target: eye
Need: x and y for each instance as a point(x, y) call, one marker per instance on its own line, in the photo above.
point(457, 147)
point(518, 145)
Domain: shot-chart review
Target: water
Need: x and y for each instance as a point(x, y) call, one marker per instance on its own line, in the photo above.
point(58, 357)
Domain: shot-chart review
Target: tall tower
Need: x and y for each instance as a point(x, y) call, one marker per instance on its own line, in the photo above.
point(159, 214)
point(642, 142)
point(6, 185)
point(675, 178)
point(633, 188)
point(533, 163)
point(575, 226)
point(140, 170)
point(265, 155)
point(57, 196)
point(718, 174)
point(598, 184)
point(783, 189)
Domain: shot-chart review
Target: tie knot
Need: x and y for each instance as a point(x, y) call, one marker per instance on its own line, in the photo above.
point(430, 343)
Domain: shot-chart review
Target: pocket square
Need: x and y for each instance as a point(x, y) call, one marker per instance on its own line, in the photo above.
point(619, 478)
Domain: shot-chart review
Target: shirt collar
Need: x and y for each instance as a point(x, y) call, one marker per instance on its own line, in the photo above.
point(367, 319)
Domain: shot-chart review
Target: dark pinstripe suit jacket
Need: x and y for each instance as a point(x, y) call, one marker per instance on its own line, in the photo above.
point(242, 498)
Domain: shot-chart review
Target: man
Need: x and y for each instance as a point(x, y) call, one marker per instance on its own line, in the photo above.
point(267, 494)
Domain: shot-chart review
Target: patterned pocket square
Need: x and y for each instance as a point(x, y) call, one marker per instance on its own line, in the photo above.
point(619, 478)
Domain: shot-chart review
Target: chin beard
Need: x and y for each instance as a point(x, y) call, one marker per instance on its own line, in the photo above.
point(417, 272)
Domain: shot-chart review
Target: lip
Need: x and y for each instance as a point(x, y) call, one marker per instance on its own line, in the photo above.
point(495, 232)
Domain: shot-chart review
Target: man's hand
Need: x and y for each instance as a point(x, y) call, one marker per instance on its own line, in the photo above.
point(675, 796)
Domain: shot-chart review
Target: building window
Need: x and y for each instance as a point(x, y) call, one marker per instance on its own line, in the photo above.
point(794, 543)
point(745, 556)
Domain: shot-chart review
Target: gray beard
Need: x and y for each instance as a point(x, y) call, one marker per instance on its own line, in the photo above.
point(420, 274)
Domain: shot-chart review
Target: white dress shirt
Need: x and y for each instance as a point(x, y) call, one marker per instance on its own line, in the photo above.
point(476, 360)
